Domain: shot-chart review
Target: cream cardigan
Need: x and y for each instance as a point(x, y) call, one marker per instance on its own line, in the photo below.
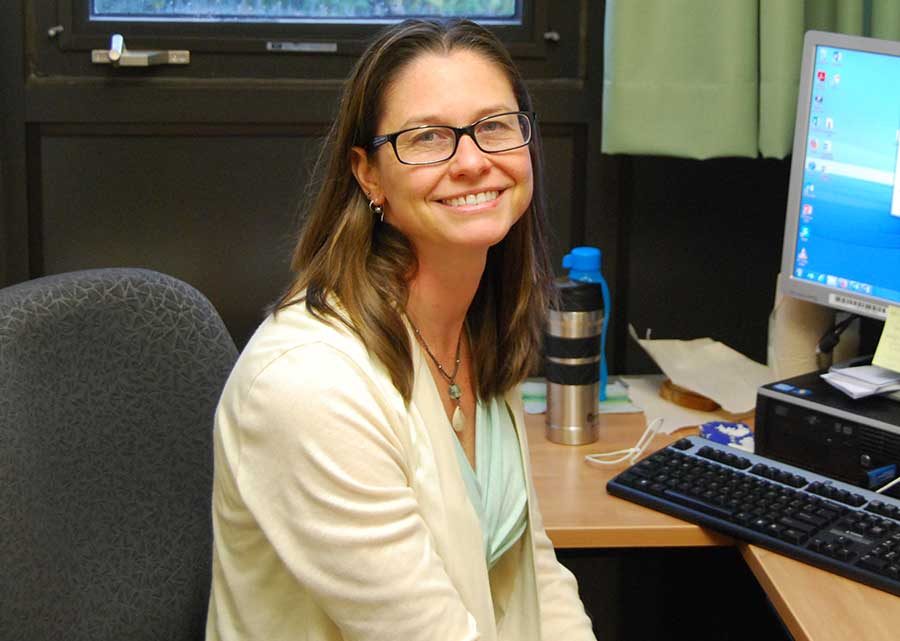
point(340, 512)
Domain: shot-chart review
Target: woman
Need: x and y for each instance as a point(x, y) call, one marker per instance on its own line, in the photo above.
point(371, 476)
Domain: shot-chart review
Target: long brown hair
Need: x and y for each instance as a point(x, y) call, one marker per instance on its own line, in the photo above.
point(355, 269)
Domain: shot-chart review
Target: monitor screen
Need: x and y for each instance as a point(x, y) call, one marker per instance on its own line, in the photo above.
point(842, 229)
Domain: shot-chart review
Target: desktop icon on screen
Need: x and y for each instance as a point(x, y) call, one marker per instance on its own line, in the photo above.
point(822, 76)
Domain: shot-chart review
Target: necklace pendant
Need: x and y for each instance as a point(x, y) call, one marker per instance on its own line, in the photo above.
point(459, 419)
point(454, 391)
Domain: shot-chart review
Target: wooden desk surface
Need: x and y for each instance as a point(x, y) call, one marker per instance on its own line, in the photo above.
point(578, 513)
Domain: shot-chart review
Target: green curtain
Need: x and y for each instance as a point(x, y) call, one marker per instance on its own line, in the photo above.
point(707, 78)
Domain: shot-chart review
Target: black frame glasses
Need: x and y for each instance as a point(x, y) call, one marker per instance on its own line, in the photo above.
point(458, 132)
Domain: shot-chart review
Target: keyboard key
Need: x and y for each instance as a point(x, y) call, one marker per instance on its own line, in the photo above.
point(796, 524)
point(872, 562)
point(844, 553)
point(700, 506)
point(812, 519)
point(793, 536)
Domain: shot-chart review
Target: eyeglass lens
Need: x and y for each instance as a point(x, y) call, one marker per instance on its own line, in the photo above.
point(434, 144)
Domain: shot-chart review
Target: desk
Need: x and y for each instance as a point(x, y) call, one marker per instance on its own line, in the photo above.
point(578, 513)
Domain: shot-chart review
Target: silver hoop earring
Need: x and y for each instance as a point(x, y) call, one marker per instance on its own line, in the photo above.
point(377, 210)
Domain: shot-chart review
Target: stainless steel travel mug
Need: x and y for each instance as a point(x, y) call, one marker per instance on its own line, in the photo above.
point(572, 363)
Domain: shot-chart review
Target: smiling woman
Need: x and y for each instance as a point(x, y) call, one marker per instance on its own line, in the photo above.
point(372, 473)
point(468, 185)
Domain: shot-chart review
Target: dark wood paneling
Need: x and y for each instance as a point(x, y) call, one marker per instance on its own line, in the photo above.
point(704, 247)
point(216, 211)
point(13, 199)
point(214, 208)
point(564, 179)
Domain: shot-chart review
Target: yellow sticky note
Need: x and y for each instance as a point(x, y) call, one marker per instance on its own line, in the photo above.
point(887, 354)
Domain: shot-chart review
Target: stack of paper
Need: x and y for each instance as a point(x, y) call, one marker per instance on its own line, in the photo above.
point(865, 380)
point(709, 368)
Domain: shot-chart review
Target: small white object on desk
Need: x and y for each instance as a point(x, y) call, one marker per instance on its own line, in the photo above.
point(737, 435)
point(863, 380)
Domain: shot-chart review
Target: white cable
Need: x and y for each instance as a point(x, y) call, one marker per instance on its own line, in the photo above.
point(888, 486)
point(629, 455)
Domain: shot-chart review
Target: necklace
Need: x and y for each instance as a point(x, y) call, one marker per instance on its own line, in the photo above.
point(458, 421)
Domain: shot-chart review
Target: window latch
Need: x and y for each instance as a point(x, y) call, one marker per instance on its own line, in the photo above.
point(120, 56)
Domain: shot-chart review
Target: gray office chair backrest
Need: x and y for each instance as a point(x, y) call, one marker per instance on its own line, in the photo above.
point(109, 379)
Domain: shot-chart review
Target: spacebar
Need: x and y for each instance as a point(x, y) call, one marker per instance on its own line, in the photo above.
point(700, 506)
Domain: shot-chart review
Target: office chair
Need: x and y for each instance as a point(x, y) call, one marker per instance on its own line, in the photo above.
point(109, 379)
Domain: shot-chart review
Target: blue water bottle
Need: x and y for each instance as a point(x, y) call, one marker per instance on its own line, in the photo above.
point(583, 264)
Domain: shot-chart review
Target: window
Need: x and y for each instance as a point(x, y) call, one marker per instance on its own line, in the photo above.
point(262, 40)
point(315, 11)
point(319, 26)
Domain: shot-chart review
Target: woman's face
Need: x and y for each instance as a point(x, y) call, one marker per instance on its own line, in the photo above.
point(433, 204)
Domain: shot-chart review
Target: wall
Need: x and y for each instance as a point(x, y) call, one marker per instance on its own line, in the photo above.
point(199, 176)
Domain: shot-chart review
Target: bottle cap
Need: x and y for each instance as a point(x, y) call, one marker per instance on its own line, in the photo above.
point(582, 259)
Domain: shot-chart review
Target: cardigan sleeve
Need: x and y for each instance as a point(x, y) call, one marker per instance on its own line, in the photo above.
point(562, 613)
point(323, 472)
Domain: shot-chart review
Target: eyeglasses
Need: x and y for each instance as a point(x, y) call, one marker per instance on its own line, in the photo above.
point(429, 144)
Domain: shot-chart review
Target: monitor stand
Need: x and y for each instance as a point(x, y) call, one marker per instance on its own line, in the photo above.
point(795, 327)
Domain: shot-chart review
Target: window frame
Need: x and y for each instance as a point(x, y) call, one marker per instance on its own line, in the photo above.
point(525, 40)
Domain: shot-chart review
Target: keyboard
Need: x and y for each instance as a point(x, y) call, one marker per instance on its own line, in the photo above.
point(835, 526)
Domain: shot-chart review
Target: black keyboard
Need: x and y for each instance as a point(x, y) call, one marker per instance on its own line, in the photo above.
point(832, 525)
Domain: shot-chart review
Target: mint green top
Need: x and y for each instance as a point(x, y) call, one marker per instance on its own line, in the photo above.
point(497, 485)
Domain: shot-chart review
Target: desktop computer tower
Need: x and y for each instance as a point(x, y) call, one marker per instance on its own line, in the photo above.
point(806, 422)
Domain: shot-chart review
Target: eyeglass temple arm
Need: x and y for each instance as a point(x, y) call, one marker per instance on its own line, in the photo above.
point(377, 141)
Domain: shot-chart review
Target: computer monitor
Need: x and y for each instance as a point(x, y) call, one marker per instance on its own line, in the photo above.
point(842, 228)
